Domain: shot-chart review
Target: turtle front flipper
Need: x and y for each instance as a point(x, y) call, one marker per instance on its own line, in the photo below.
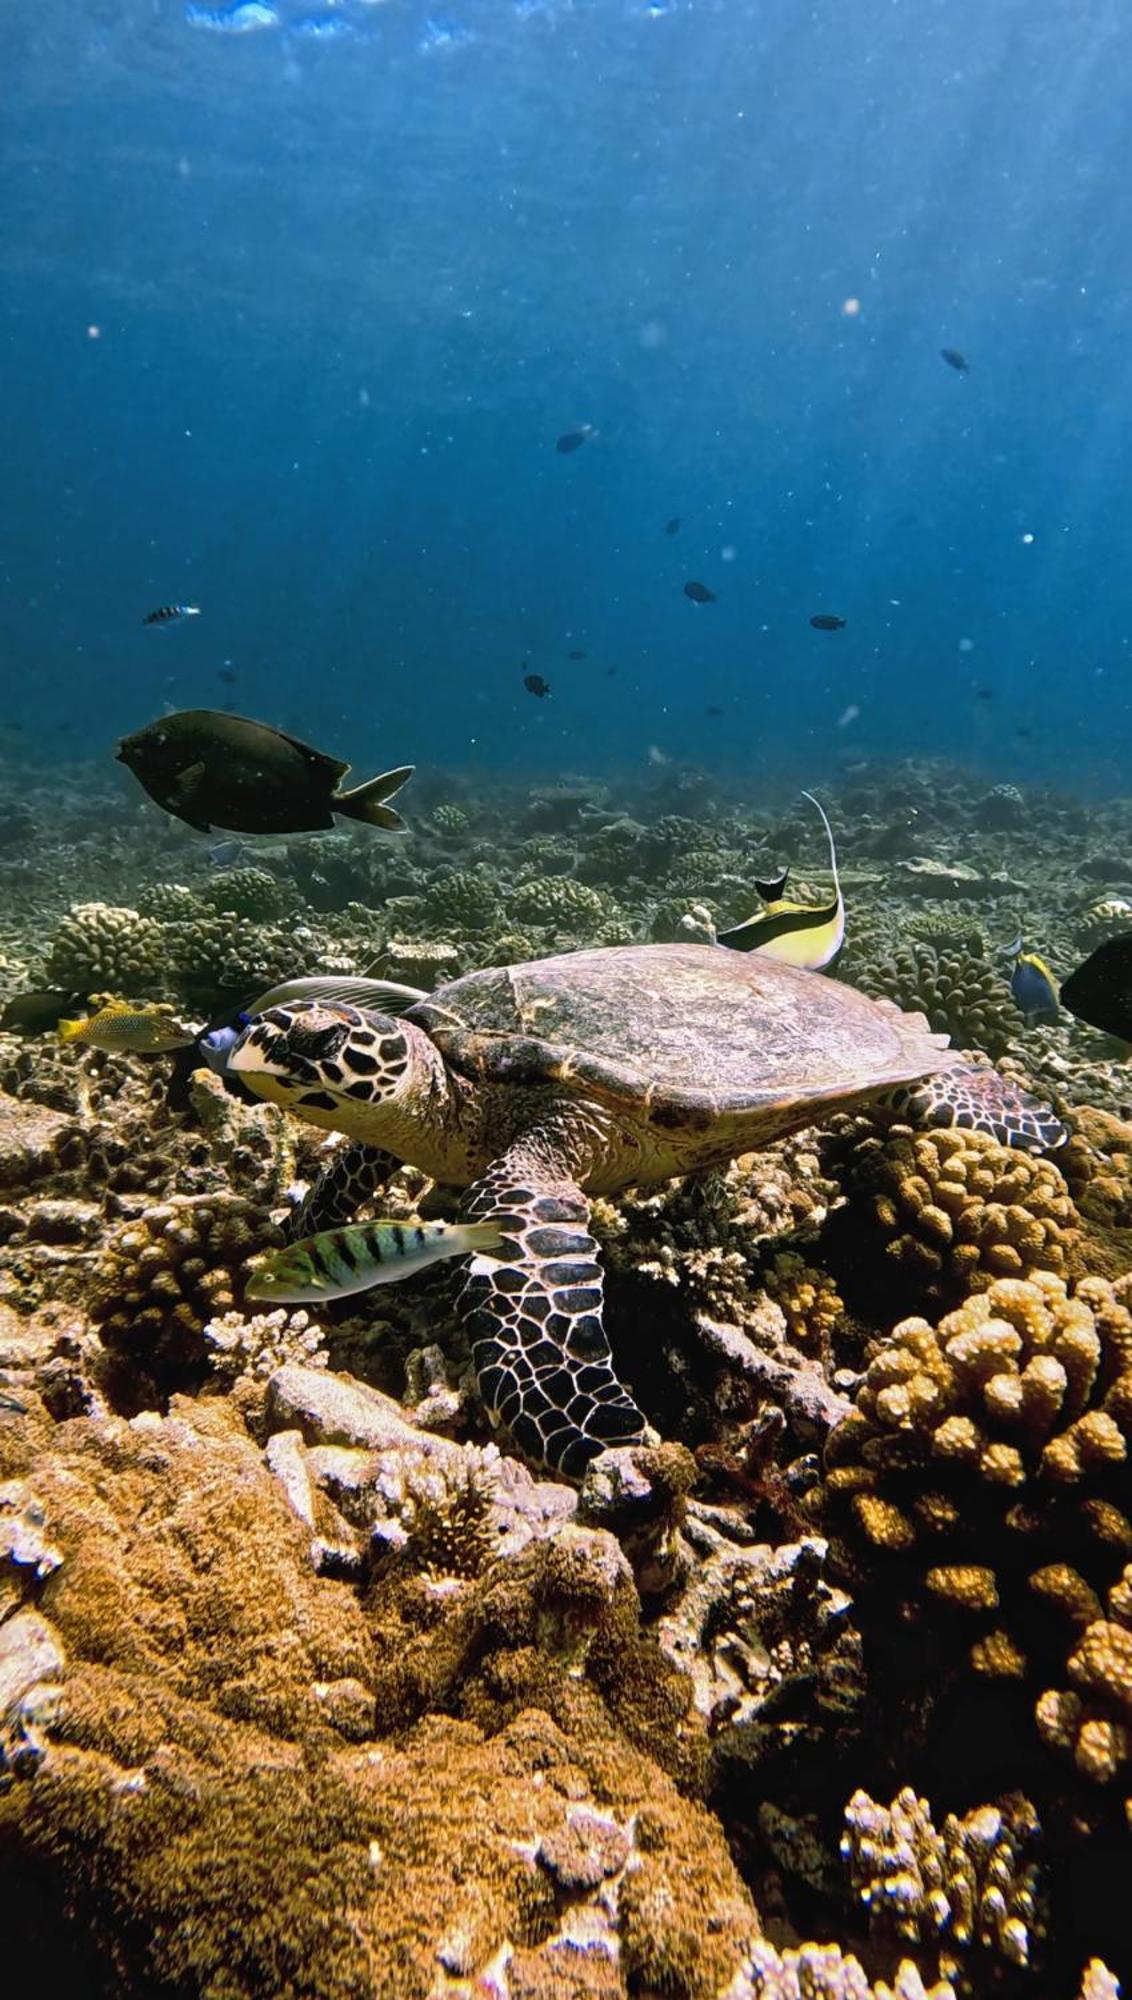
point(349, 1177)
point(974, 1097)
point(534, 1316)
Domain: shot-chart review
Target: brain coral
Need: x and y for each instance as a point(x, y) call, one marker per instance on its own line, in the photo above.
point(942, 1213)
point(981, 1485)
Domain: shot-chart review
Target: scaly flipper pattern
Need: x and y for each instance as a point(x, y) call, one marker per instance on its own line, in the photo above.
point(350, 1177)
point(534, 1316)
point(974, 1097)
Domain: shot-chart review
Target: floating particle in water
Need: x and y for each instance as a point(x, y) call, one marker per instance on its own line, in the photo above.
point(850, 308)
point(848, 715)
point(966, 645)
point(1027, 539)
point(658, 756)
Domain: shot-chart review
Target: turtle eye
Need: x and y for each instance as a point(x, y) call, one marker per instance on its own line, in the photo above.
point(317, 1044)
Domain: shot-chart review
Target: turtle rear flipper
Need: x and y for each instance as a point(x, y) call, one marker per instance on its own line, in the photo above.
point(976, 1098)
point(534, 1314)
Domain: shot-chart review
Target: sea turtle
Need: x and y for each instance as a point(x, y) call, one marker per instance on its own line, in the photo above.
point(535, 1085)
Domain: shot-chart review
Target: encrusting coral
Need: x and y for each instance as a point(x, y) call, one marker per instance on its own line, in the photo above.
point(224, 1807)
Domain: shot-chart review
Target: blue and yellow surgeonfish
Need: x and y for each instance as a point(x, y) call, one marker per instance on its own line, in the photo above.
point(1032, 984)
point(809, 935)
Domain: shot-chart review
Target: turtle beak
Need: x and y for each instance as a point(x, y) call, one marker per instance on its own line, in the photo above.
point(261, 1050)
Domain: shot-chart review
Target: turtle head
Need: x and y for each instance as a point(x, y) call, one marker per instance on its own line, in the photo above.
point(330, 1064)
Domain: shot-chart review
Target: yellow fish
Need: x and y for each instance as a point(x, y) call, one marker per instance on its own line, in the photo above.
point(119, 1028)
point(809, 935)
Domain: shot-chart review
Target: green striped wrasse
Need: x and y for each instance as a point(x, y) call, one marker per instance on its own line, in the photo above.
point(338, 1262)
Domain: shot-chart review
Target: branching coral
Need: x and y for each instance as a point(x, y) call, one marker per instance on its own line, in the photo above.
point(973, 1883)
point(959, 988)
point(559, 901)
point(942, 1213)
point(254, 893)
point(464, 899)
point(101, 947)
point(981, 1484)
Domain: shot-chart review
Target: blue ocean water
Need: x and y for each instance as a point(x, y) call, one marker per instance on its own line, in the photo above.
point(296, 301)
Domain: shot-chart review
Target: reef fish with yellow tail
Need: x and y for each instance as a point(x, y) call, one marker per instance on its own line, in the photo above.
point(339, 1262)
point(120, 1029)
point(809, 935)
point(1032, 984)
point(212, 769)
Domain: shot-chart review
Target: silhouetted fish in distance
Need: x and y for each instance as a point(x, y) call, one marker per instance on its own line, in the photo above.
point(699, 593)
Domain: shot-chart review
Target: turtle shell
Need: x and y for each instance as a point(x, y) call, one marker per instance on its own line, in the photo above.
point(684, 1030)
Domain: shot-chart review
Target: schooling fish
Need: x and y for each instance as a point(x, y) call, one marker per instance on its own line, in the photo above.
point(1100, 991)
point(211, 769)
point(535, 684)
point(171, 614)
point(827, 621)
point(339, 1262)
point(805, 934)
point(1032, 984)
point(955, 360)
point(118, 1027)
point(699, 593)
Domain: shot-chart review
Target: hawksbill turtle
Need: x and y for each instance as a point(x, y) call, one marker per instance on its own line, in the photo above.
point(533, 1086)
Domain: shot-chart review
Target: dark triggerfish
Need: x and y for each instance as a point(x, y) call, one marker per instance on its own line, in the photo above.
point(212, 769)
